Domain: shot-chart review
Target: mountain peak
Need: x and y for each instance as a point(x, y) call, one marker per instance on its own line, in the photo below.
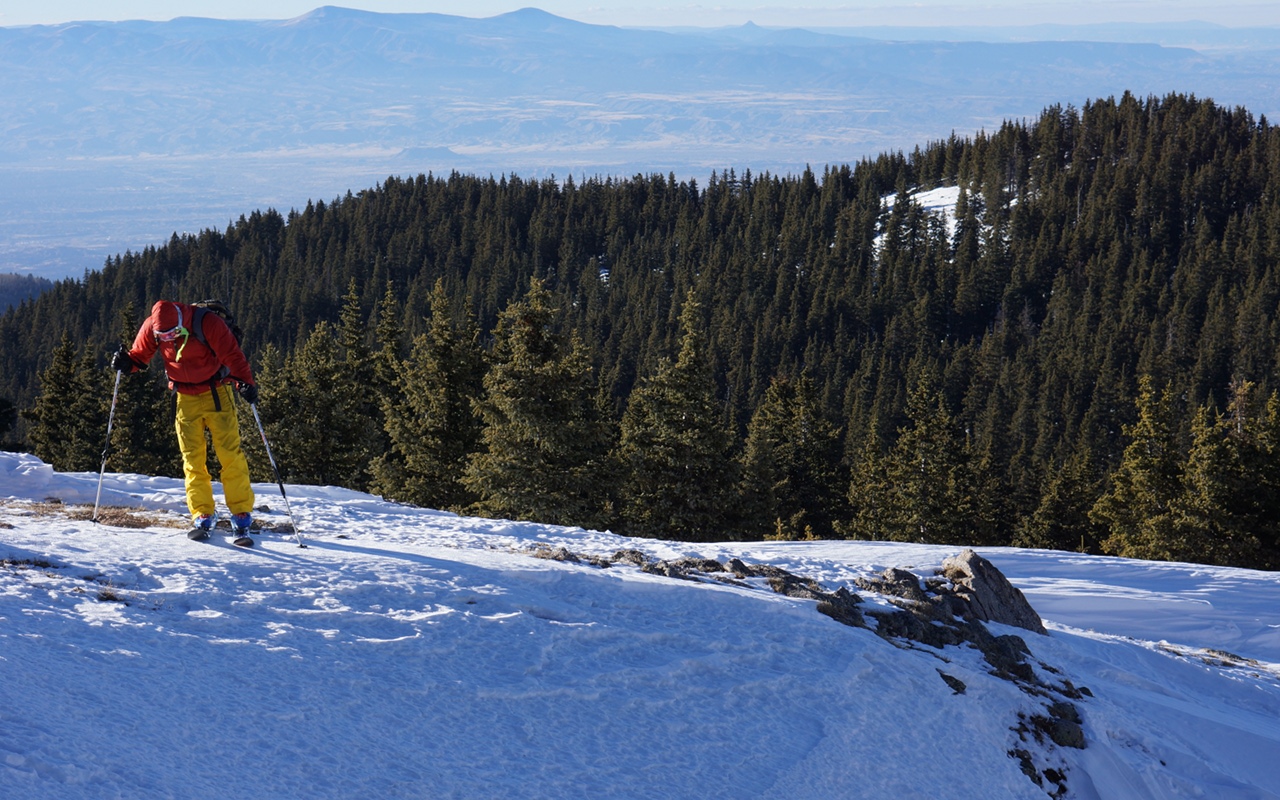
point(529, 12)
point(332, 14)
point(530, 16)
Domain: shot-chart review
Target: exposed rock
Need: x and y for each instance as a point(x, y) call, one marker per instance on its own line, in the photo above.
point(899, 625)
point(990, 596)
point(1065, 711)
point(795, 586)
point(1027, 764)
point(917, 627)
point(1007, 655)
point(633, 557)
point(938, 612)
point(948, 605)
point(561, 553)
point(554, 553)
point(683, 567)
point(842, 606)
point(958, 686)
point(663, 568)
point(894, 582)
point(738, 568)
point(1061, 725)
point(707, 565)
point(1066, 733)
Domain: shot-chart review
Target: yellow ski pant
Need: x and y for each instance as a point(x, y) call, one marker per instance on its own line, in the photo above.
point(196, 412)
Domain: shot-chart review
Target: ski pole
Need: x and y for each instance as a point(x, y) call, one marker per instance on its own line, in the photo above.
point(107, 447)
point(296, 534)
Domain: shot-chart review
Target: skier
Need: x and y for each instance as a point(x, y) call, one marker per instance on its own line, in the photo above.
point(203, 359)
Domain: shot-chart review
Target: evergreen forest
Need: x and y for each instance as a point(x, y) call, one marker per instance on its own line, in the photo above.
point(1084, 357)
point(16, 288)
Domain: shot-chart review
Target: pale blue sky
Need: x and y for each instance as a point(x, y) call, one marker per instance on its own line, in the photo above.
point(812, 13)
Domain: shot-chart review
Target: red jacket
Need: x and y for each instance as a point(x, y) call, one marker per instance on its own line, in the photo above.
point(189, 364)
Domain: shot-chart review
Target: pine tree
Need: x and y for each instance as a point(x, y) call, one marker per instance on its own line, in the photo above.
point(361, 370)
point(429, 418)
point(387, 468)
point(1061, 521)
point(790, 485)
point(869, 517)
point(315, 415)
point(926, 489)
point(674, 453)
point(90, 406)
point(544, 444)
point(1264, 479)
point(390, 334)
point(1211, 523)
point(1228, 512)
point(68, 422)
point(8, 416)
point(922, 472)
point(1136, 510)
point(50, 417)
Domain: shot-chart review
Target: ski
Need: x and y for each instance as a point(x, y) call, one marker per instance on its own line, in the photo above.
point(198, 534)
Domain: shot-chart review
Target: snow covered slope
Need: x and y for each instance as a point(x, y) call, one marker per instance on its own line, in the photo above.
point(411, 653)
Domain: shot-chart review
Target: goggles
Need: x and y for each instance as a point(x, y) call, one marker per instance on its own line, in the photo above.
point(173, 333)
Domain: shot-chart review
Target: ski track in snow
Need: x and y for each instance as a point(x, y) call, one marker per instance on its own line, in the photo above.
point(414, 653)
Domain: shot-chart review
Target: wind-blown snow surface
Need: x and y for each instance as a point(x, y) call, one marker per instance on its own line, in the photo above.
point(411, 653)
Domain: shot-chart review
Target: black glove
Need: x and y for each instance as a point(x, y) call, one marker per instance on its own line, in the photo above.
point(249, 392)
point(121, 362)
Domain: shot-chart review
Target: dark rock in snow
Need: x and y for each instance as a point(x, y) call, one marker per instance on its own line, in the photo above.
point(685, 568)
point(842, 606)
point(742, 570)
point(895, 582)
point(558, 553)
point(958, 686)
point(633, 557)
point(795, 586)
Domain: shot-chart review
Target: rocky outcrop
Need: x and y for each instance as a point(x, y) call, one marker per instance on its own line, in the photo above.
point(945, 610)
point(990, 596)
point(894, 582)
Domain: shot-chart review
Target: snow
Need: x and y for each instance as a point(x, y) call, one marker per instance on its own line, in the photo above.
point(413, 653)
point(940, 202)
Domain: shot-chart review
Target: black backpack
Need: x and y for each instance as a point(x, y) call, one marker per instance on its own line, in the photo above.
point(217, 307)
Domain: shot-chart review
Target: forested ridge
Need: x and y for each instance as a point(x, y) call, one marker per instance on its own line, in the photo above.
point(16, 288)
point(1087, 361)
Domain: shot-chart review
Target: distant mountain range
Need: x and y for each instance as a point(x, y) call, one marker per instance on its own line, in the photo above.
point(115, 135)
